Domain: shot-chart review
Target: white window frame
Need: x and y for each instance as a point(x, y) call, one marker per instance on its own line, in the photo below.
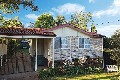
point(65, 44)
point(84, 42)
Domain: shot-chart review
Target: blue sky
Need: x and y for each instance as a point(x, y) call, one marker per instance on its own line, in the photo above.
point(106, 13)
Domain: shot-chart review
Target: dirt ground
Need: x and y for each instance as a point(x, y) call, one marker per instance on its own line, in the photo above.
point(20, 76)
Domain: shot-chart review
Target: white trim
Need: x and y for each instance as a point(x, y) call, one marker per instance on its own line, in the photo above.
point(2, 53)
point(1, 60)
point(24, 36)
point(36, 57)
point(37, 37)
point(102, 54)
point(65, 48)
point(53, 55)
point(2, 35)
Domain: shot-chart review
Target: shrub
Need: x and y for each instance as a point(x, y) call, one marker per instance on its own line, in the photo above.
point(43, 74)
point(67, 69)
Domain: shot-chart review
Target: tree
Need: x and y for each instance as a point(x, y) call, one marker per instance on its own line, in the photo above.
point(10, 6)
point(60, 20)
point(93, 28)
point(11, 22)
point(81, 20)
point(45, 21)
point(1, 19)
point(115, 49)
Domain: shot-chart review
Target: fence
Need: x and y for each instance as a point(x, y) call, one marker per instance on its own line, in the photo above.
point(18, 63)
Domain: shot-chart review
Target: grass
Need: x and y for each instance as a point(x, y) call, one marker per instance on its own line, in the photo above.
point(100, 76)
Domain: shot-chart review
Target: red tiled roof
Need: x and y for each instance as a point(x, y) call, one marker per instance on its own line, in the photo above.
point(25, 31)
point(43, 31)
point(91, 34)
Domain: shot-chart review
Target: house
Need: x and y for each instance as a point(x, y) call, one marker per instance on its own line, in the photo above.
point(72, 42)
point(58, 43)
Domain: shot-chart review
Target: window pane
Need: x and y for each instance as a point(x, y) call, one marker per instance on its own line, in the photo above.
point(87, 40)
point(57, 43)
point(81, 40)
point(81, 46)
point(64, 42)
point(87, 46)
point(64, 46)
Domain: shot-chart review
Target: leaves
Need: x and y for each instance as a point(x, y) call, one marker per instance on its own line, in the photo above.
point(113, 46)
point(60, 20)
point(11, 6)
point(45, 21)
point(10, 22)
point(93, 28)
point(81, 20)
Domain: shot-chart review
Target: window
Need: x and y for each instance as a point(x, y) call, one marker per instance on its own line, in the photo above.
point(64, 42)
point(57, 43)
point(84, 43)
point(61, 42)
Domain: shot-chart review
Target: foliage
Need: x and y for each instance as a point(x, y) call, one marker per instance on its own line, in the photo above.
point(12, 47)
point(112, 47)
point(60, 20)
point(115, 49)
point(81, 20)
point(45, 21)
point(10, 22)
point(1, 18)
point(44, 74)
point(10, 6)
point(89, 62)
point(106, 43)
point(68, 69)
point(93, 28)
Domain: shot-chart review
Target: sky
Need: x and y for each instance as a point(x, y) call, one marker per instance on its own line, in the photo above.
point(106, 13)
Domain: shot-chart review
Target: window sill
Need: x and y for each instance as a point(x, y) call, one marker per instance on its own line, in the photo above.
point(65, 48)
point(84, 48)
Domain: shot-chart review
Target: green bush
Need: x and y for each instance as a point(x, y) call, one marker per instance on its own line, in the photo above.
point(46, 73)
point(67, 71)
point(66, 68)
point(43, 74)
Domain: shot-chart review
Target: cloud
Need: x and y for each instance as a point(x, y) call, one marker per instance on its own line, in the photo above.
point(68, 8)
point(116, 3)
point(32, 16)
point(91, 1)
point(52, 13)
point(113, 10)
point(108, 30)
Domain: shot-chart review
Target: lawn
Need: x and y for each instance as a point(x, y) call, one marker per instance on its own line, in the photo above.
point(100, 76)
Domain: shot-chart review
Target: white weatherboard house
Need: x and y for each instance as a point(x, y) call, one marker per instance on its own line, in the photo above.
point(60, 42)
